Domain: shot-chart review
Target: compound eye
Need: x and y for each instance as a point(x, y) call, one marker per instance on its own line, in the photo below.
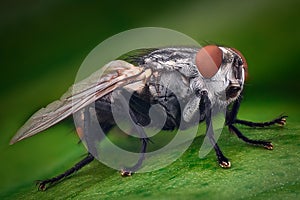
point(209, 60)
point(245, 65)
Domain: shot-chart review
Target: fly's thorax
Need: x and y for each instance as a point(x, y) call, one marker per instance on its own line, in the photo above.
point(163, 84)
point(181, 59)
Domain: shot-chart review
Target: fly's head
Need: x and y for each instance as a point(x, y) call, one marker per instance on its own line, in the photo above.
point(223, 71)
point(235, 71)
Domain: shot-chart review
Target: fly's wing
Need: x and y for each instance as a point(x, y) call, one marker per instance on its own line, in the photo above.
point(113, 75)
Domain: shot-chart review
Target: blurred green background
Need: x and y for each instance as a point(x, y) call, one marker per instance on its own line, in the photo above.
point(42, 44)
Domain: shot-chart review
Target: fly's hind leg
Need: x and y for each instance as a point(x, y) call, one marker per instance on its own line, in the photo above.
point(86, 124)
point(42, 184)
point(82, 121)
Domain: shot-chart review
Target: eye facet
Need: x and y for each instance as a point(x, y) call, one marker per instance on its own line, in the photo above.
point(245, 65)
point(209, 60)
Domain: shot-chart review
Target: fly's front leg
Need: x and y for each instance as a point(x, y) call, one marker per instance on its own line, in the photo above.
point(231, 119)
point(265, 144)
point(281, 121)
point(206, 105)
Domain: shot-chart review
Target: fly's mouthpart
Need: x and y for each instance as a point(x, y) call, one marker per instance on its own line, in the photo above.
point(233, 90)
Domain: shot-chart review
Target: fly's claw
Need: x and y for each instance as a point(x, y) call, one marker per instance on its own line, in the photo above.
point(268, 145)
point(41, 185)
point(225, 164)
point(281, 121)
point(126, 173)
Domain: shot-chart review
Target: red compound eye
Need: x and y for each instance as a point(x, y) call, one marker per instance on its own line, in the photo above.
point(245, 65)
point(209, 60)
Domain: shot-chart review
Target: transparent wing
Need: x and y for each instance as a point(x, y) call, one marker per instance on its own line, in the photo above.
point(113, 75)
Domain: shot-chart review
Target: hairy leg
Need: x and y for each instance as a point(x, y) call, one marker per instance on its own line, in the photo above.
point(206, 104)
point(134, 120)
point(265, 144)
point(128, 171)
point(231, 119)
point(86, 128)
point(281, 120)
point(42, 184)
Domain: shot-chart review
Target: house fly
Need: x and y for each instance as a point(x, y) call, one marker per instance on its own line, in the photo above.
point(199, 78)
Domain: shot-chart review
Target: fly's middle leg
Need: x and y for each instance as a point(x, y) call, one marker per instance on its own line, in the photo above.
point(128, 171)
